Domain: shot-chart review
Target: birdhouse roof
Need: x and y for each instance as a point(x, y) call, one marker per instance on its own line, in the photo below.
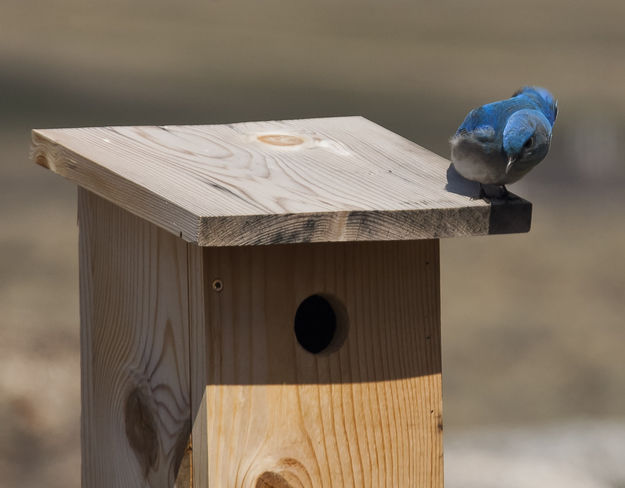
point(287, 181)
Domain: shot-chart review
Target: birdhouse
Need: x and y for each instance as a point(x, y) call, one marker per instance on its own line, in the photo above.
point(260, 302)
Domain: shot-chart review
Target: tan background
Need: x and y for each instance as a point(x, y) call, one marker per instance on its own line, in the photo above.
point(533, 325)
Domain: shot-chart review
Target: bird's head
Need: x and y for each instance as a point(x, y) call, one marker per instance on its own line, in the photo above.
point(526, 140)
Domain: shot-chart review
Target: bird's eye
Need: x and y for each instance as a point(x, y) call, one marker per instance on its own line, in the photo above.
point(529, 142)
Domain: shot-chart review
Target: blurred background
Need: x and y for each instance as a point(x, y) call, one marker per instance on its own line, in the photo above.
point(533, 324)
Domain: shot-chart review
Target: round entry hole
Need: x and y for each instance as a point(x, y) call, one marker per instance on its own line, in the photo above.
point(320, 324)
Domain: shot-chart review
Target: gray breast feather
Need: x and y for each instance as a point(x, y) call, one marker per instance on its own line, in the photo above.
point(478, 157)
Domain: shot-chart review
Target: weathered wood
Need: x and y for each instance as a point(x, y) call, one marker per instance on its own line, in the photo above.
point(134, 348)
point(312, 180)
point(198, 290)
point(275, 415)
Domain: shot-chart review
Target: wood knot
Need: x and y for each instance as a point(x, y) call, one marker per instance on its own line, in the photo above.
point(270, 479)
point(41, 160)
point(141, 429)
point(281, 139)
point(287, 474)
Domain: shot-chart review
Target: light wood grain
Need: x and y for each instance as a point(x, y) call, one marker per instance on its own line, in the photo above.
point(162, 348)
point(311, 180)
point(367, 414)
point(136, 407)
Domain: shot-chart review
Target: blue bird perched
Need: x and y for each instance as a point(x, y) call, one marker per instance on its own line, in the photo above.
point(498, 143)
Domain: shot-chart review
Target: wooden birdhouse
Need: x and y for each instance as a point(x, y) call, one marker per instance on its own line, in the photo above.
point(260, 302)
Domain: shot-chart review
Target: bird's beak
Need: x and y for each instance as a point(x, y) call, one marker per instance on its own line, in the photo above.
point(511, 161)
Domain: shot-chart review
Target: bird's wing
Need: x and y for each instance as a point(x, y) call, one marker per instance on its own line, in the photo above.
point(542, 98)
point(489, 120)
point(484, 133)
point(476, 119)
point(480, 123)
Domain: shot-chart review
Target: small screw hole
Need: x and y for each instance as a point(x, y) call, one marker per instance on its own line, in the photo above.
point(218, 285)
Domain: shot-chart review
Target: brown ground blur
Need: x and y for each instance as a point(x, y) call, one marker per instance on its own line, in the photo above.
point(533, 325)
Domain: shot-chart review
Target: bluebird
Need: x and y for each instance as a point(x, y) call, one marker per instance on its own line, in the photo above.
point(499, 143)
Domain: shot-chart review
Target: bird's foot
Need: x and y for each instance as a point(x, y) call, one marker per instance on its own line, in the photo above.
point(490, 192)
point(481, 195)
